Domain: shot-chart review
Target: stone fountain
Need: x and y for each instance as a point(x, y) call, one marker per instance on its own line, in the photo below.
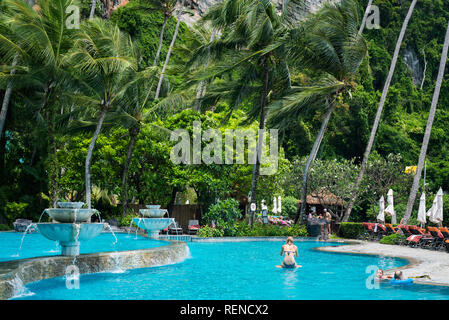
point(70, 226)
point(152, 220)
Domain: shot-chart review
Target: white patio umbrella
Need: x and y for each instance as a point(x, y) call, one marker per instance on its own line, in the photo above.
point(436, 215)
point(381, 215)
point(275, 210)
point(279, 205)
point(390, 208)
point(422, 209)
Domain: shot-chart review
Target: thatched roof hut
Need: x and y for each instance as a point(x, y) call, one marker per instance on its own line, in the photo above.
point(323, 197)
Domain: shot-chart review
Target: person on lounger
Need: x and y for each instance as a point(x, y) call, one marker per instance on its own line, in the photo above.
point(289, 251)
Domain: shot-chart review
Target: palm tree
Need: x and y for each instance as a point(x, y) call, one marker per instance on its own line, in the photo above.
point(379, 112)
point(251, 57)
point(102, 62)
point(170, 48)
point(329, 44)
point(167, 7)
point(425, 143)
point(365, 16)
point(40, 39)
point(92, 9)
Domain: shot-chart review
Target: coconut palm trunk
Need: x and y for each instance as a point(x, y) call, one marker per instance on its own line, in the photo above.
point(92, 9)
point(425, 143)
point(262, 121)
point(89, 156)
point(365, 16)
point(161, 40)
point(379, 113)
point(7, 98)
point(133, 133)
point(201, 91)
point(311, 159)
point(167, 58)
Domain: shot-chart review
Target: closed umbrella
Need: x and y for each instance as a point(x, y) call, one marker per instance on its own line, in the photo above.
point(381, 215)
point(431, 212)
point(437, 213)
point(275, 210)
point(390, 208)
point(422, 209)
point(279, 205)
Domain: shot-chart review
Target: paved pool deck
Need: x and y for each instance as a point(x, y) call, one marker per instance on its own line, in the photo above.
point(422, 261)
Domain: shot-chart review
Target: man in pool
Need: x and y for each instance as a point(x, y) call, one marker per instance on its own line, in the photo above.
point(289, 250)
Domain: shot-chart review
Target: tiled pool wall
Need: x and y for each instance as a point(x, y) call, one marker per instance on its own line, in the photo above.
point(16, 273)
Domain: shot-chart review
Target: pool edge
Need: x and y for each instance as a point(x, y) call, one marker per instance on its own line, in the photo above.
point(14, 274)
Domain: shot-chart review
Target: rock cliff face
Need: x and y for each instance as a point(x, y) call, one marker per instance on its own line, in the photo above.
point(199, 7)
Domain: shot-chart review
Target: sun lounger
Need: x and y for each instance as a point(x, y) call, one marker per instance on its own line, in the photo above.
point(419, 237)
point(366, 231)
point(438, 238)
point(445, 232)
point(174, 228)
point(379, 231)
point(390, 229)
point(193, 227)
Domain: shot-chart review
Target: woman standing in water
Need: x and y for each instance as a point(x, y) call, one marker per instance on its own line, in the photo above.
point(289, 250)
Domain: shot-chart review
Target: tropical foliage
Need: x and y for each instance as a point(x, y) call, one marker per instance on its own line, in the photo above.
point(80, 119)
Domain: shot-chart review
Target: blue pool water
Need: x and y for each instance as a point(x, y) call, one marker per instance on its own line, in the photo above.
point(240, 271)
point(36, 245)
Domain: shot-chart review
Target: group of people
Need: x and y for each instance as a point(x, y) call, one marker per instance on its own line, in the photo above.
point(324, 219)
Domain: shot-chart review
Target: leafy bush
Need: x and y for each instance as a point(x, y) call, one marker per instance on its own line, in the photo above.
point(243, 229)
point(125, 220)
point(207, 231)
point(222, 211)
point(392, 239)
point(269, 230)
point(14, 210)
point(289, 206)
point(4, 227)
point(351, 230)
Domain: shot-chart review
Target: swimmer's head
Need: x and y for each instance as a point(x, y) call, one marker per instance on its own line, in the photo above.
point(380, 273)
point(398, 275)
point(290, 240)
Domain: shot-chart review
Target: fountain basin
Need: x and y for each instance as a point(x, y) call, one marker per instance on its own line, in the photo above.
point(70, 205)
point(69, 235)
point(153, 213)
point(153, 225)
point(67, 215)
point(153, 206)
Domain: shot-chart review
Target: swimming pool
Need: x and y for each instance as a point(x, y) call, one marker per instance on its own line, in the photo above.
point(36, 245)
point(241, 271)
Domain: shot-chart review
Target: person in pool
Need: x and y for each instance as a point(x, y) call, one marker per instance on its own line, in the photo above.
point(289, 250)
point(380, 275)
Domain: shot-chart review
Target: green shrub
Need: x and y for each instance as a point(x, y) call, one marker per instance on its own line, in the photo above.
point(222, 211)
point(289, 206)
point(351, 230)
point(4, 227)
point(14, 210)
point(125, 220)
point(392, 239)
point(207, 231)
